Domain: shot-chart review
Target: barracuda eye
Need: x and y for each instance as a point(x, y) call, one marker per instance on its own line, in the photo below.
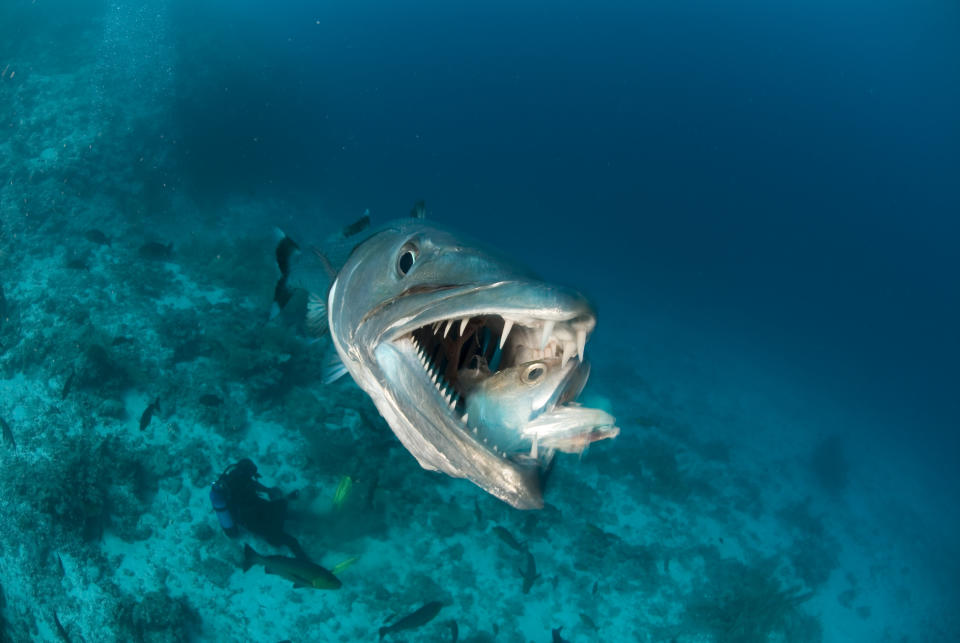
point(406, 258)
point(533, 373)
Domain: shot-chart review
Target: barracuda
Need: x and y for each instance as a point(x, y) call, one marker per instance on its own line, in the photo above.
point(421, 320)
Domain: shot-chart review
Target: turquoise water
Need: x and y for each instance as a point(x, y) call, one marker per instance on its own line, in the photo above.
point(759, 199)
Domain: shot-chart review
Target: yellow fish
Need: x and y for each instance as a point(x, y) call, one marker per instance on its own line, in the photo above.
point(339, 567)
point(343, 491)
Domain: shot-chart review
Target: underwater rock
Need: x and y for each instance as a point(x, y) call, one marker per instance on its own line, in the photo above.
point(99, 369)
point(217, 571)
point(158, 618)
point(97, 237)
point(156, 251)
point(203, 532)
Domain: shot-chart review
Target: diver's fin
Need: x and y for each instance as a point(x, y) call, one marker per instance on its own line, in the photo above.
point(316, 315)
point(333, 368)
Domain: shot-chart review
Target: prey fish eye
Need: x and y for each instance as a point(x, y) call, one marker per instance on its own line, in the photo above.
point(408, 255)
point(533, 373)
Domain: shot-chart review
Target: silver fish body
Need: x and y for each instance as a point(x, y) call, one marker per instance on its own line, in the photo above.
point(502, 404)
point(413, 306)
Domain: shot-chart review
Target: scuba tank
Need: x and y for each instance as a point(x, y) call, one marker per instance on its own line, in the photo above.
point(218, 498)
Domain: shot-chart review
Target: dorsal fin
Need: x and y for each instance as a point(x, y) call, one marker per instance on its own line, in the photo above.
point(358, 226)
point(419, 210)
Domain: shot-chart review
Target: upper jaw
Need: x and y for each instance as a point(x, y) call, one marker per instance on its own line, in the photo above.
point(549, 321)
point(444, 331)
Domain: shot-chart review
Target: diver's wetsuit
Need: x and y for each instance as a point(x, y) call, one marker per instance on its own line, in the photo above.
point(261, 516)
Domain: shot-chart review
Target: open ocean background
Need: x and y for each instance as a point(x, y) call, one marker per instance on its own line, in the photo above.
point(762, 199)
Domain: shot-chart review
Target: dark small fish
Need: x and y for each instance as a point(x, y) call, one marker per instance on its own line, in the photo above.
point(7, 434)
point(529, 574)
point(357, 226)
point(419, 210)
point(63, 572)
point(508, 538)
point(77, 263)
point(61, 631)
point(285, 250)
point(421, 617)
point(596, 584)
point(588, 621)
point(556, 635)
point(119, 341)
point(211, 400)
point(96, 236)
point(155, 250)
point(65, 391)
point(148, 414)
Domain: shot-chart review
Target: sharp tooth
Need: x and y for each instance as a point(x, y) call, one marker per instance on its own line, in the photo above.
point(534, 447)
point(547, 332)
point(507, 325)
point(463, 324)
point(464, 420)
point(568, 352)
point(446, 329)
point(581, 342)
point(436, 327)
point(453, 403)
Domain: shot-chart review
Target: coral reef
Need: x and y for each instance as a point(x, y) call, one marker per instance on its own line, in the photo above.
point(739, 603)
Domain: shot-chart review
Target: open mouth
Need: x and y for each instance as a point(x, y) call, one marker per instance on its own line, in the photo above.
point(458, 355)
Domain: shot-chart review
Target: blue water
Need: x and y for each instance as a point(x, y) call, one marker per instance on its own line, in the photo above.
point(761, 199)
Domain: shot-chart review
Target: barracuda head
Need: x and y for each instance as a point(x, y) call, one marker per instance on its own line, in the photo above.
point(436, 331)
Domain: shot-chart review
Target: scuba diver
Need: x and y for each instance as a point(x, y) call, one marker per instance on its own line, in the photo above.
point(236, 497)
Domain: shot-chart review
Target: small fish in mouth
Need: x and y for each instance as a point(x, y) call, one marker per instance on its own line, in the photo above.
point(525, 407)
point(473, 362)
